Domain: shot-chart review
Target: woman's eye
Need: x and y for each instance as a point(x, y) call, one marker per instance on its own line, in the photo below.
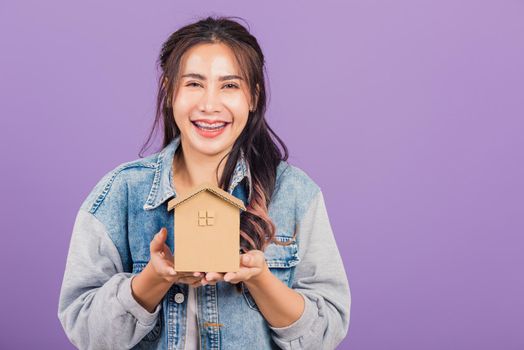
point(229, 86)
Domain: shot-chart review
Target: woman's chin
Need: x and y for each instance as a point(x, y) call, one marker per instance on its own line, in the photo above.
point(207, 146)
point(210, 149)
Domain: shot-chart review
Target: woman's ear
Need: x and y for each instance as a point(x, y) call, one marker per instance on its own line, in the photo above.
point(257, 93)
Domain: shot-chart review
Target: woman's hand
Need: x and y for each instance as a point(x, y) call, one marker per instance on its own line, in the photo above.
point(162, 261)
point(252, 267)
point(152, 283)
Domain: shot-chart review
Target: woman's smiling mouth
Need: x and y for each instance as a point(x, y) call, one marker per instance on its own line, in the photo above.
point(209, 129)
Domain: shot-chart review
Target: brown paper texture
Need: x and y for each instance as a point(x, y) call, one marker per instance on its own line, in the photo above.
point(207, 230)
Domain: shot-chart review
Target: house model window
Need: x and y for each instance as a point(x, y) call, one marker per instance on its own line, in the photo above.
point(206, 217)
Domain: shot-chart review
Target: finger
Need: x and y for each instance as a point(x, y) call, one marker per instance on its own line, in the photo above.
point(167, 252)
point(185, 274)
point(157, 243)
point(196, 284)
point(188, 280)
point(205, 282)
point(214, 276)
point(171, 271)
point(253, 258)
point(166, 269)
point(233, 277)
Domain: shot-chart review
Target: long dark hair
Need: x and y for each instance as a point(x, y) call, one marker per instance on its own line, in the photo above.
point(261, 152)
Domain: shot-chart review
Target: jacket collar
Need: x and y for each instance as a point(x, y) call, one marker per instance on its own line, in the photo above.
point(162, 188)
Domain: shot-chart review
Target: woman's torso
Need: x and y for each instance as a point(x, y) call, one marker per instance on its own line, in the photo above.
point(132, 202)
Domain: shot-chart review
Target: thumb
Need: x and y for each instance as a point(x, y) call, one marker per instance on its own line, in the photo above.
point(253, 258)
point(158, 240)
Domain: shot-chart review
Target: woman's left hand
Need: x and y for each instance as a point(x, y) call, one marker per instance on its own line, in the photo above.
point(252, 265)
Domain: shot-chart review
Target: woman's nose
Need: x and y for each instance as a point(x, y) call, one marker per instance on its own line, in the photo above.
point(210, 102)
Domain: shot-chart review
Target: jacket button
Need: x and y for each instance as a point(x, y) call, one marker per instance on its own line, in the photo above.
point(179, 298)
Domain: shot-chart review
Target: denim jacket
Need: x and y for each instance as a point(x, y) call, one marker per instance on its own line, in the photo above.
point(110, 244)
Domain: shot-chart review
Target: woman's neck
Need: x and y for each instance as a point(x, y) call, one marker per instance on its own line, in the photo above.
point(192, 169)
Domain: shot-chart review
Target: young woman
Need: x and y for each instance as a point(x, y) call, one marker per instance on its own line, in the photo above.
point(120, 289)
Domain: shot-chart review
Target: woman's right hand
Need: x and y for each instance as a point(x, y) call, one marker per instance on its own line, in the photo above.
point(152, 283)
point(162, 261)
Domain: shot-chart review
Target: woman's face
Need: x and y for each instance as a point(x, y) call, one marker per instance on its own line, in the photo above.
point(212, 103)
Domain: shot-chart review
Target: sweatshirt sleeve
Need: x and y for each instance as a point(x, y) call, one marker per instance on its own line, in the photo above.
point(321, 279)
point(96, 307)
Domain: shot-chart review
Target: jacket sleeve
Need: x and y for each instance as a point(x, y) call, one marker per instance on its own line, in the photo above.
point(321, 279)
point(96, 307)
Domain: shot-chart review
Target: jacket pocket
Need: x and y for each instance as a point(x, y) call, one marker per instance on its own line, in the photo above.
point(281, 260)
point(157, 329)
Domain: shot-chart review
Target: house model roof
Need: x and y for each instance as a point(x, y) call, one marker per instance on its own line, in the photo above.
point(211, 188)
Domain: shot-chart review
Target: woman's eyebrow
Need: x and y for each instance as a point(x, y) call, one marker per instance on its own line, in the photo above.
point(201, 77)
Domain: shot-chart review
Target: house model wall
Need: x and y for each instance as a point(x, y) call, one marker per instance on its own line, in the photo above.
point(207, 230)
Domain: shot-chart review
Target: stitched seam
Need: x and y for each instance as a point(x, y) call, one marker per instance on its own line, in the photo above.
point(100, 198)
point(211, 324)
point(156, 180)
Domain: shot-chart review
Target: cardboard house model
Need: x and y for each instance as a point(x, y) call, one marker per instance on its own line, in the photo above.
point(207, 230)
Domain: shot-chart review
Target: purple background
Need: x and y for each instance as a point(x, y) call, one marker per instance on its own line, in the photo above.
point(408, 114)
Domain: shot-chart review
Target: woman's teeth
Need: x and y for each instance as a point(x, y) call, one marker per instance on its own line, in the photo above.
point(207, 126)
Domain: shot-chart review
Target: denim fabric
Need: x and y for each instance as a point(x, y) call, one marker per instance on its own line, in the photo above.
point(110, 244)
